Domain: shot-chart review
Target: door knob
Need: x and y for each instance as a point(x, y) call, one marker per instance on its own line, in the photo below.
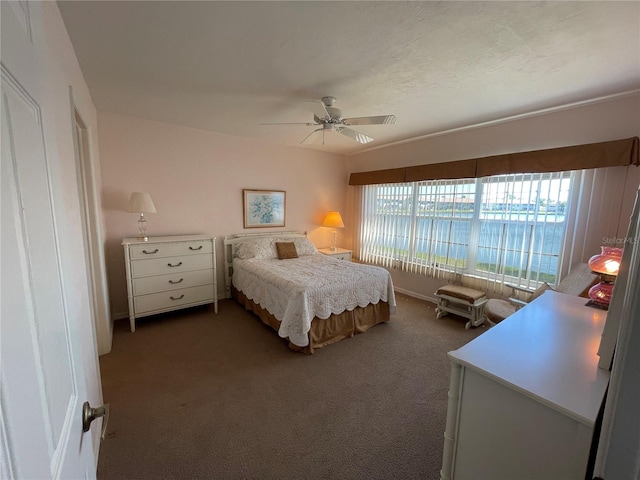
point(90, 414)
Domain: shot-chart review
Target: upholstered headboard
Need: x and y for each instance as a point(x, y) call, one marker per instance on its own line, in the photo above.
point(232, 242)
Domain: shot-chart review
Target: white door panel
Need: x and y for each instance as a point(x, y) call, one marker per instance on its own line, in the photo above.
point(24, 137)
point(22, 389)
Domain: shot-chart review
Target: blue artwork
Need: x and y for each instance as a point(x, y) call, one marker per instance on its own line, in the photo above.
point(263, 208)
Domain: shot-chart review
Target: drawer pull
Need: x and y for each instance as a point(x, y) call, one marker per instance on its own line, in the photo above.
point(173, 283)
point(199, 248)
point(149, 253)
point(176, 265)
point(177, 298)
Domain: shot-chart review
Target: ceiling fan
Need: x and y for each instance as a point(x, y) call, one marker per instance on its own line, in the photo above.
point(329, 118)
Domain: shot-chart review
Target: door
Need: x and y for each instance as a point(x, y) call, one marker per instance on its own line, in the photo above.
point(42, 376)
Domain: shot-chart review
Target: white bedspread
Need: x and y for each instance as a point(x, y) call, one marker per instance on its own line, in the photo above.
point(296, 290)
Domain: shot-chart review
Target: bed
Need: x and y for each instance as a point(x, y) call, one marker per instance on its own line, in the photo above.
point(310, 299)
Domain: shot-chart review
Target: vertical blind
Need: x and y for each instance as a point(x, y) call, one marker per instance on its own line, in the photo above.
point(495, 229)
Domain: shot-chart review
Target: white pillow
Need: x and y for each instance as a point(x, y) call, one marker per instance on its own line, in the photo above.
point(266, 247)
point(304, 247)
point(260, 248)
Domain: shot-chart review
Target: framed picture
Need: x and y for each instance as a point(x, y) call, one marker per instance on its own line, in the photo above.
point(263, 208)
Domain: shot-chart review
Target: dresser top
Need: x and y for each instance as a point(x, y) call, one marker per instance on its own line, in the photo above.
point(166, 239)
point(547, 351)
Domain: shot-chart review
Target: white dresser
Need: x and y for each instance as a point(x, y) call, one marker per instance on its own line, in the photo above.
point(339, 253)
point(168, 273)
point(524, 396)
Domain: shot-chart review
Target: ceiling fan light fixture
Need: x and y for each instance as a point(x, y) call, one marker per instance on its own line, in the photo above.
point(329, 118)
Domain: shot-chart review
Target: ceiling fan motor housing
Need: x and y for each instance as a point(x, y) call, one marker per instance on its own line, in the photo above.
point(335, 114)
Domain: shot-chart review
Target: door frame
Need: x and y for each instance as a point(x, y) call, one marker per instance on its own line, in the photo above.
point(91, 206)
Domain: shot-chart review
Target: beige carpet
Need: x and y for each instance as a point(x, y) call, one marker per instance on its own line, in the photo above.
point(198, 395)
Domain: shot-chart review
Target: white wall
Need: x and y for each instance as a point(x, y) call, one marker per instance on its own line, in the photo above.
point(610, 119)
point(196, 179)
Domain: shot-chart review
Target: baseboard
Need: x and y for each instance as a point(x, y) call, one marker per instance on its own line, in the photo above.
point(416, 295)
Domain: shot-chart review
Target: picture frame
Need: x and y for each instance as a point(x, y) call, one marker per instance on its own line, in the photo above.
point(263, 208)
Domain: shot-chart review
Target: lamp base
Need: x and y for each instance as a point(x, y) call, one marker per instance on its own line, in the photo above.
point(334, 237)
point(142, 229)
point(593, 304)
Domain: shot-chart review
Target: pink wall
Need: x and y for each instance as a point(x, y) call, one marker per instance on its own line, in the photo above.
point(196, 179)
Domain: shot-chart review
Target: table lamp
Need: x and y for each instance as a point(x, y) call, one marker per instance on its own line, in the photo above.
point(333, 220)
point(140, 202)
point(606, 264)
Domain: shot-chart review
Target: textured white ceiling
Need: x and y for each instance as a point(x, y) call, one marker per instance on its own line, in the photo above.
point(231, 66)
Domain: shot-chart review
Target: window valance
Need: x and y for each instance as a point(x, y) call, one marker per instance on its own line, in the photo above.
point(594, 155)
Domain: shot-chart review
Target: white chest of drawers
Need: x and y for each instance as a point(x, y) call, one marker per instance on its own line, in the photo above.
point(524, 396)
point(169, 273)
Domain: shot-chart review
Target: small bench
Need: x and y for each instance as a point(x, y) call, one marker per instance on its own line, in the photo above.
point(463, 301)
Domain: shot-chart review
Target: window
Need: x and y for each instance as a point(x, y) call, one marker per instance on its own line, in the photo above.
point(507, 227)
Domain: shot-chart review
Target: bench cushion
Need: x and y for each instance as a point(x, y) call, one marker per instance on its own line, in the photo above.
point(469, 295)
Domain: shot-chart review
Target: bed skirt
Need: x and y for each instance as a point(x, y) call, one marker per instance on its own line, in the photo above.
point(324, 331)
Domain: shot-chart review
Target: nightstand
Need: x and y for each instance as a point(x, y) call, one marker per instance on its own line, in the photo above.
point(340, 253)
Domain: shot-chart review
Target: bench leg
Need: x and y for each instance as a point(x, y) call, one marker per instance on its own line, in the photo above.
point(477, 317)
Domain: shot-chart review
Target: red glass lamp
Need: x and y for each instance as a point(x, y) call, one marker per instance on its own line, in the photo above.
point(606, 264)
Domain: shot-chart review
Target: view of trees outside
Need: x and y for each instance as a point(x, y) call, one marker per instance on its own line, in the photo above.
point(512, 225)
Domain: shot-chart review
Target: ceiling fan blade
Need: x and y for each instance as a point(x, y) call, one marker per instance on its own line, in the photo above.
point(319, 110)
point(357, 136)
point(306, 124)
point(311, 137)
point(376, 120)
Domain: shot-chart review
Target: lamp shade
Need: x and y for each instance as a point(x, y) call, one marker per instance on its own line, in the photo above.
point(333, 219)
point(140, 202)
point(607, 262)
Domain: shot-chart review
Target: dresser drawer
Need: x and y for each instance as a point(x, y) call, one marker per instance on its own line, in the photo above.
point(172, 281)
point(161, 266)
point(175, 298)
point(155, 250)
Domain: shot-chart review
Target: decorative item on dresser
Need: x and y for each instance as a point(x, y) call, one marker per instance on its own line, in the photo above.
point(339, 253)
point(169, 273)
point(524, 396)
point(606, 265)
point(140, 202)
